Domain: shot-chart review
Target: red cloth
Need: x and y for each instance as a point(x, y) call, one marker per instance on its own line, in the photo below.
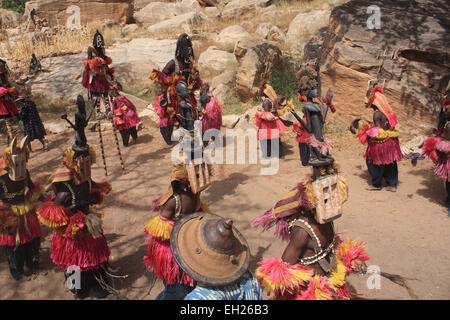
point(7, 105)
point(165, 119)
point(267, 121)
point(99, 83)
point(212, 117)
point(99, 69)
point(302, 135)
point(33, 226)
point(125, 113)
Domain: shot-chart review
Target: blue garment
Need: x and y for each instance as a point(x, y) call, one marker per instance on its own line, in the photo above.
point(175, 291)
point(32, 124)
point(246, 288)
point(387, 171)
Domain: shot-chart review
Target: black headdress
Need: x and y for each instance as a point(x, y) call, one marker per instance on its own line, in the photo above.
point(99, 44)
point(3, 67)
point(80, 145)
point(184, 50)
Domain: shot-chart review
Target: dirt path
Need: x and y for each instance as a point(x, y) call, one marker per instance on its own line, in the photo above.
point(406, 232)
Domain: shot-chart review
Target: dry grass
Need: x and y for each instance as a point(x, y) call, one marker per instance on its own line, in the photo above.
point(64, 40)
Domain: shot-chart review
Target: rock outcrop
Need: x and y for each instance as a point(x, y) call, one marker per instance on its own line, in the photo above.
point(133, 61)
point(253, 58)
point(57, 12)
point(9, 19)
point(215, 61)
point(415, 37)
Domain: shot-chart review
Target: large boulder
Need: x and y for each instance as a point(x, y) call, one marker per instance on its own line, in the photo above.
point(141, 4)
point(136, 59)
point(133, 61)
point(306, 24)
point(9, 19)
point(155, 12)
point(415, 35)
point(215, 61)
point(230, 35)
point(190, 19)
point(253, 58)
point(55, 11)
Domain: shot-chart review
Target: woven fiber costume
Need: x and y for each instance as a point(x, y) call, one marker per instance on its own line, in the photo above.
point(98, 78)
point(183, 198)
point(268, 122)
point(210, 112)
point(78, 238)
point(8, 109)
point(32, 123)
point(216, 255)
point(125, 116)
point(20, 230)
point(316, 262)
point(180, 68)
point(437, 148)
point(97, 75)
point(383, 147)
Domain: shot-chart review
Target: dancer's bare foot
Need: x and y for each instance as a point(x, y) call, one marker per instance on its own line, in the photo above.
point(372, 188)
point(392, 189)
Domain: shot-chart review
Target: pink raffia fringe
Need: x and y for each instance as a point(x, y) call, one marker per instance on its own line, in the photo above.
point(384, 153)
point(324, 146)
point(159, 258)
point(86, 252)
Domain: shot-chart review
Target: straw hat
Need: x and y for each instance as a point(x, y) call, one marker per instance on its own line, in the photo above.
point(209, 249)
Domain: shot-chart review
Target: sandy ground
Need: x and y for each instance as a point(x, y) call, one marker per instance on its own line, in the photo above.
point(406, 232)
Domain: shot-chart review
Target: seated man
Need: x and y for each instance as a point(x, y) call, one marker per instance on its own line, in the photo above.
point(216, 256)
point(35, 65)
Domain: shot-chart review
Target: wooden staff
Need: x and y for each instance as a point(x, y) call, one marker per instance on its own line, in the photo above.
point(100, 135)
point(115, 136)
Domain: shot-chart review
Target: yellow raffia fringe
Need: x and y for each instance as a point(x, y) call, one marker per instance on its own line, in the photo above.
point(204, 206)
point(342, 185)
point(348, 244)
point(337, 277)
point(320, 294)
point(23, 208)
point(159, 228)
point(310, 191)
point(49, 223)
point(297, 279)
point(386, 134)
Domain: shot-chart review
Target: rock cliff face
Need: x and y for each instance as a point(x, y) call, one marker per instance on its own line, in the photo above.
point(55, 11)
point(9, 18)
point(415, 36)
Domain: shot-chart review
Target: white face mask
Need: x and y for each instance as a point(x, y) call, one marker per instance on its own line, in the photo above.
point(18, 171)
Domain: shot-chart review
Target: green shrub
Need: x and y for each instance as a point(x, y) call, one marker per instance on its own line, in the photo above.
point(16, 5)
point(283, 82)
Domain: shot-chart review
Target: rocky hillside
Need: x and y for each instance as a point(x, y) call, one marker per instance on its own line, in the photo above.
point(413, 35)
point(235, 42)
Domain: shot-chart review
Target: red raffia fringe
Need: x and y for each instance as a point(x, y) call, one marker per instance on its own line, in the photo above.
point(159, 258)
point(384, 153)
point(86, 252)
point(34, 230)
